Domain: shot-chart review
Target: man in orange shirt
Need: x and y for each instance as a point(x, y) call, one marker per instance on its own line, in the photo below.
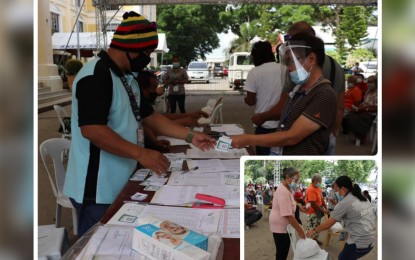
point(316, 207)
point(353, 95)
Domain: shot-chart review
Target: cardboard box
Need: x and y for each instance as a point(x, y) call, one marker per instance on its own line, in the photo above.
point(159, 239)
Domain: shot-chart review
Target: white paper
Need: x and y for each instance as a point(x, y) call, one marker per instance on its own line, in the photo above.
point(229, 224)
point(232, 165)
point(212, 165)
point(111, 242)
point(202, 179)
point(232, 178)
point(200, 220)
point(182, 195)
point(175, 156)
point(155, 178)
point(173, 141)
point(229, 129)
point(129, 210)
point(231, 154)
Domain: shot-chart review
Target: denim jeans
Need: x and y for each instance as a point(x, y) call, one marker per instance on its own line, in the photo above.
point(180, 100)
point(351, 252)
point(88, 215)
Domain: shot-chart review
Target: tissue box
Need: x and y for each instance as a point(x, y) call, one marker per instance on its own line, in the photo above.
point(159, 239)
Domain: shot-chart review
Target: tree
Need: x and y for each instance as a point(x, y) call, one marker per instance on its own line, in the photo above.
point(358, 55)
point(248, 31)
point(191, 30)
point(357, 170)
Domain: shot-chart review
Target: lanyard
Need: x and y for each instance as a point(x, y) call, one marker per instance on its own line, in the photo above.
point(133, 101)
point(297, 96)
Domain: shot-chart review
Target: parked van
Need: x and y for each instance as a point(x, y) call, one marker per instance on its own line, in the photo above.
point(369, 67)
point(198, 71)
point(239, 66)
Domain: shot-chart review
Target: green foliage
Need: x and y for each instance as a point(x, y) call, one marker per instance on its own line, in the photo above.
point(354, 23)
point(359, 55)
point(357, 170)
point(261, 180)
point(73, 66)
point(191, 30)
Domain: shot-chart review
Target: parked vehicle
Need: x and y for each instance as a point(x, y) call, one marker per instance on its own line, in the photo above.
point(239, 66)
point(198, 71)
point(369, 67)
point(225, 71)
point(218, 71)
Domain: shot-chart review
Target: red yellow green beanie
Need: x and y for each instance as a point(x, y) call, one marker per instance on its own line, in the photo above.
point(135, 33)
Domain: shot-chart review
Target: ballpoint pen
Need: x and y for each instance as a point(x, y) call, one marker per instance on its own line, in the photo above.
point(190, 170)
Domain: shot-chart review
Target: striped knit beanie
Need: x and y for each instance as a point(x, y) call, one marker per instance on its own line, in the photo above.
point(135, 33)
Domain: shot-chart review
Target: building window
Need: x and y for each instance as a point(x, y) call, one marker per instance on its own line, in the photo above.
point(112, 27)
point(54, 22)
point(80, 26)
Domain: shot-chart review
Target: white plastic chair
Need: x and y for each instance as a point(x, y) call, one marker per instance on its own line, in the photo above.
point(323, 255)
point(66, 133)
point(216, 116)
point(54, 148)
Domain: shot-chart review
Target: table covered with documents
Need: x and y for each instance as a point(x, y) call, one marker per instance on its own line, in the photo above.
point(214, 174)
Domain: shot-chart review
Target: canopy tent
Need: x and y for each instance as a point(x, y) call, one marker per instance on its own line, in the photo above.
point(305, 2)
point(88, 42)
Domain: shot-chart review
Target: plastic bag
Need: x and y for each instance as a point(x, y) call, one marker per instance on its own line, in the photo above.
point(337, 227)
point(306, 248)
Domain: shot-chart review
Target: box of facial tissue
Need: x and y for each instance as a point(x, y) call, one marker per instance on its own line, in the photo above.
point(163, 239)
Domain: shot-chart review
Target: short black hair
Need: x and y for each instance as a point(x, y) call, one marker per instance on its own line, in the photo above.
point(316, 46)
point(301, 27)
point(144, 78)
point(262, 53)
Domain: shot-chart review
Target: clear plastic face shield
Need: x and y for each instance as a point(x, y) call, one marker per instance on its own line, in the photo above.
point(293, 56)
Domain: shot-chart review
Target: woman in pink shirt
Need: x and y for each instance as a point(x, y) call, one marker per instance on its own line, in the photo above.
point(282, 213)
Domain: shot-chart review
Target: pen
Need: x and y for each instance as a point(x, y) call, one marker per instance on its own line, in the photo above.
point(190, 170)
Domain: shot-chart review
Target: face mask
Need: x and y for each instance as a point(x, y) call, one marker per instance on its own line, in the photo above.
point(176, 64)
point(293, 185)
point(371, 85)
point(350, 85)
point(318, 185)
point(359, 80)
point(339, 197)
point(139, 63)
point(299, 76)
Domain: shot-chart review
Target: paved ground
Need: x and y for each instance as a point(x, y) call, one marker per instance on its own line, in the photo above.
point(259, 243)
point(234, 111)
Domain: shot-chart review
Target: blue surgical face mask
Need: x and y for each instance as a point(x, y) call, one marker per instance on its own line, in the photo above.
point(293, 185)
point(176, 64)
point(318, 185)
point(299, 76)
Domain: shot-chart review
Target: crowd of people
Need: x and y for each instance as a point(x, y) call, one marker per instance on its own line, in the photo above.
point(340, 202)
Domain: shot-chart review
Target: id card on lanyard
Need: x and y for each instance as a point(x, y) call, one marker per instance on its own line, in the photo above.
point(136, 111)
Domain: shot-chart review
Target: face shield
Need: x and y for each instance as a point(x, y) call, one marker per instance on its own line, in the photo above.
point(293, 56)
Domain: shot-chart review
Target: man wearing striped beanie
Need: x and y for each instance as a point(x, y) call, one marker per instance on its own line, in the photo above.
point(108, 114)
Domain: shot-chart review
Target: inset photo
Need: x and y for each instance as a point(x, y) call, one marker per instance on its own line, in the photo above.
point(311, 209)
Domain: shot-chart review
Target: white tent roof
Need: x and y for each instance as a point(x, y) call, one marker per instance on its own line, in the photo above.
point(88, 40)
point(305, 2)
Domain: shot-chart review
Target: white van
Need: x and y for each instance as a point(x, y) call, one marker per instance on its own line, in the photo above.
point(239, 66)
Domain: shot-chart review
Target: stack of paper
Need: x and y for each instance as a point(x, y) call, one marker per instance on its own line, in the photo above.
point(185, 195)
point(231, 154)
point(173, 141)
point(229, 129)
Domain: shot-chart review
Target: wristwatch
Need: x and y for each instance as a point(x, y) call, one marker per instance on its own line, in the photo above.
point(189, 136)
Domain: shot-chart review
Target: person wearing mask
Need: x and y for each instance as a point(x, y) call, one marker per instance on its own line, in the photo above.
point(361, 84)
point(282, 214)
point(359, 219)
point(148, 84)
point(263, 87)
point(360, 121)
point(356, 69)
point(309, 116)
point(331, 71)
point(352, 99)
point(332, 199)
point(316, 208)
point(175, 78)
point(108, 115)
